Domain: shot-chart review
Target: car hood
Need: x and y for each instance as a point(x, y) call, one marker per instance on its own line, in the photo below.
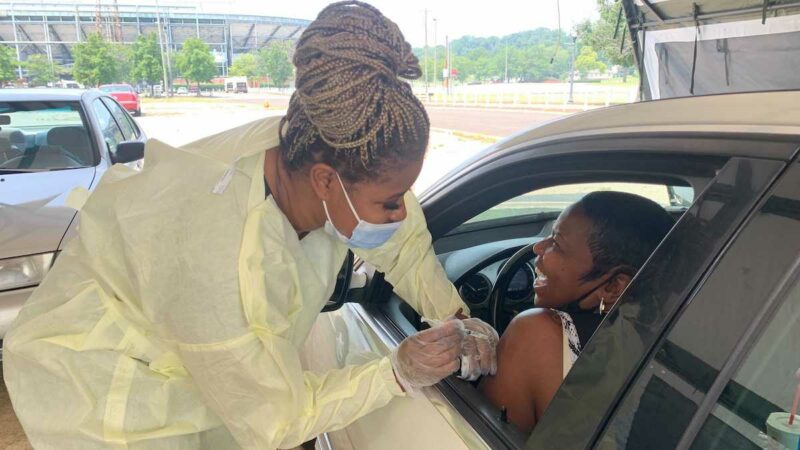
point(33, 216)
point(699, 47)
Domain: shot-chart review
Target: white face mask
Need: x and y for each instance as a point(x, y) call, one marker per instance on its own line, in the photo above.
point(365, 235)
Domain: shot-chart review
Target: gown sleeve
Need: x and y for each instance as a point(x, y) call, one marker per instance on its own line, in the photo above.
point(411, 266)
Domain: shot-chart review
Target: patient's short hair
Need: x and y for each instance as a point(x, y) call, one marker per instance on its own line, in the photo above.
point(626, 228)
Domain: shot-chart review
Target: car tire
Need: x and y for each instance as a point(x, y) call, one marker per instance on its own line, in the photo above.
point(138, 112)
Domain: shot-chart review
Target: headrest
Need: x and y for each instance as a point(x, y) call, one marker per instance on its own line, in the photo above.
point(12, 139)
point(72, 138)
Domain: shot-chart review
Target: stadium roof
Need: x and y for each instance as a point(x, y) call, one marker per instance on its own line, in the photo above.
point(53, 28)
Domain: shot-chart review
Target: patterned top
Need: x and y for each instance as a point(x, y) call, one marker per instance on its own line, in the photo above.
point(572, 344)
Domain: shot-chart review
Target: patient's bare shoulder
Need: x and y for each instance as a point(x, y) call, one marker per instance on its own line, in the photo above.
point(529, 367)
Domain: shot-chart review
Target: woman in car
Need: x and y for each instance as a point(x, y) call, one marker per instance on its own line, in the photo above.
point(596, 247)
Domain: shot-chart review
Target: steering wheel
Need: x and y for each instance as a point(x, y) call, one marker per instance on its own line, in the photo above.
point(501, 311)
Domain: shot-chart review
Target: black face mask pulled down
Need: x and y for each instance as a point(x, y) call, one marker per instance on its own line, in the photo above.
point(585, 321)
point(574, 307)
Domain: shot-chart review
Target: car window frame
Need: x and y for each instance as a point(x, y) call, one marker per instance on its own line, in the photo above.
point(102, 132)
point(115, 104)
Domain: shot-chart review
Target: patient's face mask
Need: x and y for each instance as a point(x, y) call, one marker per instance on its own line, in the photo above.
point(365, 235)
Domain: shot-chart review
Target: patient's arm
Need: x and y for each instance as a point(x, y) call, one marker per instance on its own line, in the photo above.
point(529, 367)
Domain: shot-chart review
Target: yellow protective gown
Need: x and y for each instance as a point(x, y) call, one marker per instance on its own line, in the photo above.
point(174, 319)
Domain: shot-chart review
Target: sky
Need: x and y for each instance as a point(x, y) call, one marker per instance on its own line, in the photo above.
point(453, 18)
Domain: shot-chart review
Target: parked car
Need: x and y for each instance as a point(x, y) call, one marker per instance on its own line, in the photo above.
point(51, 141)
point(182, 90)
point(125, 95)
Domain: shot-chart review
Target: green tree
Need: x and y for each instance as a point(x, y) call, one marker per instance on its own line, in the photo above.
point(146, 60)
point(245, 66)
point(275, 63)
point(532, 56)
point(600, 36)
point(40, 70)
point(586, 61)
point(195, 61)
point(123, 56)
point(95, 63)
point(8, 67)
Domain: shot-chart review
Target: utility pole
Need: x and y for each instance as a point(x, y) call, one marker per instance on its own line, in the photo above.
point(161, 46)
point(447, 62)
point(506, 64)
point(426, 53)
point(572, 66)
point(435, 45)
point(449, 67)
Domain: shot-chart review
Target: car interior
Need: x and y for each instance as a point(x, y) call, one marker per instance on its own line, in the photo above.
point(485, 242)
point(43, 136)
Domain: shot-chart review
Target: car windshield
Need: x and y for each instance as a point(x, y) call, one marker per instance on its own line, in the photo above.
point(42, 135)
point(115, 88)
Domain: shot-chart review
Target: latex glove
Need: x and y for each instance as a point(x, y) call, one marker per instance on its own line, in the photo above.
point(425, 358)
point(479, 355)
point(480, 350)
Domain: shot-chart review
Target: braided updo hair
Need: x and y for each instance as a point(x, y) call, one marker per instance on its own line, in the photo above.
point(350, 109)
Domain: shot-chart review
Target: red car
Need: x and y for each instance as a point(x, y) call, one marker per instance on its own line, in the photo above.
point(125, 95)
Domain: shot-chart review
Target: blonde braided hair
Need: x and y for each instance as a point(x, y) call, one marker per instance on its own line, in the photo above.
point(350, 109)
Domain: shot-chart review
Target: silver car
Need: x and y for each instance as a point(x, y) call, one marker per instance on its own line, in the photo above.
point(51, 142)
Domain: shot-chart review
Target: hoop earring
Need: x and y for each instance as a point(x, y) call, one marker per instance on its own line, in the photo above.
point(602, 308)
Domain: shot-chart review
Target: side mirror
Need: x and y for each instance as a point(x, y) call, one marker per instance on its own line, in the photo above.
point(339, 296)
point(128, 151)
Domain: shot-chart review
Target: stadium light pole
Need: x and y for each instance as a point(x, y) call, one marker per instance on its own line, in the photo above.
point(574, 35)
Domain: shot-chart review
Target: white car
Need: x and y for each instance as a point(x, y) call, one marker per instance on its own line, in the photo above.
point(51, 142)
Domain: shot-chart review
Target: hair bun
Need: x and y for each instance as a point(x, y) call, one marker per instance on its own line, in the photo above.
point(348, 62)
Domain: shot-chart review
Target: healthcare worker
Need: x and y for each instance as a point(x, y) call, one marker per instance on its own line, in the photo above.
point(173, 320)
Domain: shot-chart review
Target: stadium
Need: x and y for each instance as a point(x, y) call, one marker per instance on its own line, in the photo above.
point(52, 29)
